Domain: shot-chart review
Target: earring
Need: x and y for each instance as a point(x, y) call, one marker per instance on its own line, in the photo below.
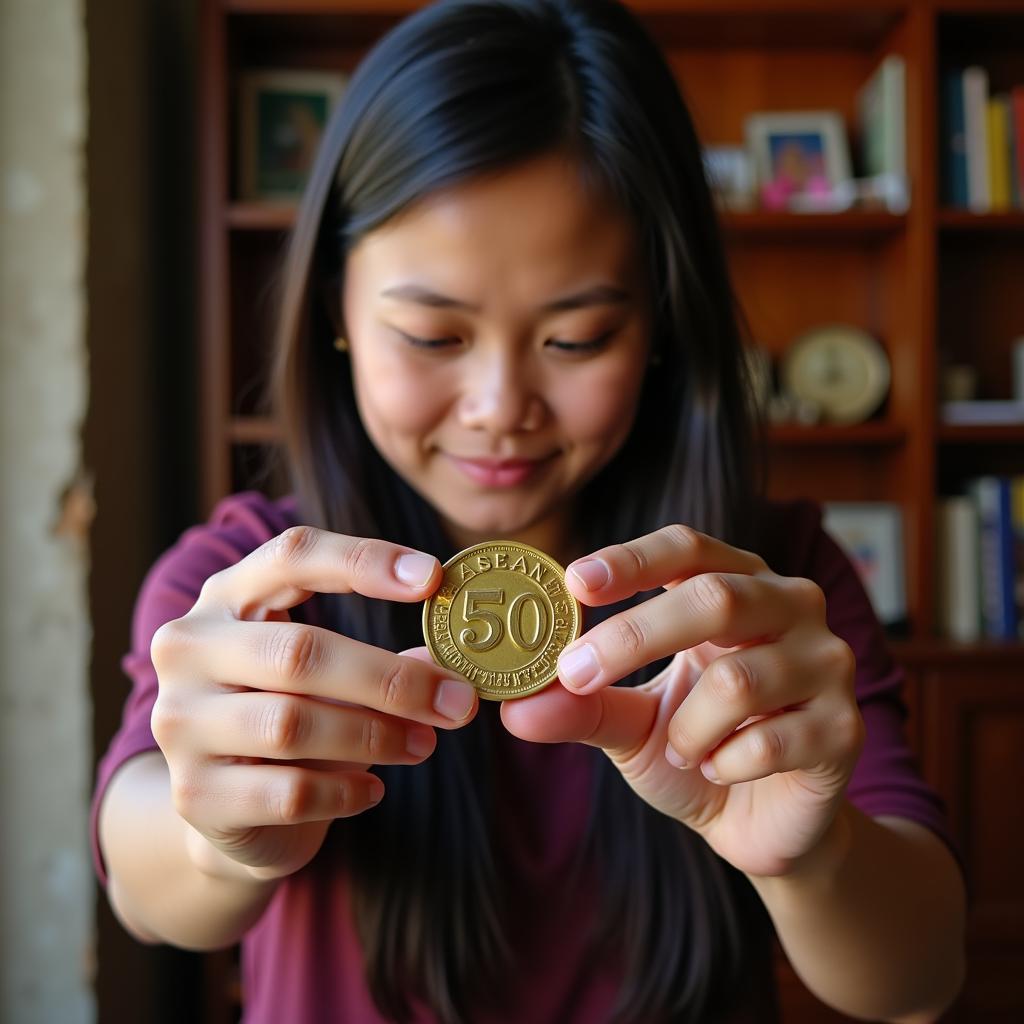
point(341, 344)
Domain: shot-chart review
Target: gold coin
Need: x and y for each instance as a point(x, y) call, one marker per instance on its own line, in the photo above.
point(501, 617)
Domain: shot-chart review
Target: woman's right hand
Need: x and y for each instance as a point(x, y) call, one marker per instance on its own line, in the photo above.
point(269, 726)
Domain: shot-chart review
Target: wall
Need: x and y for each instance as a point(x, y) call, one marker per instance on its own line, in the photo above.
point(46, 912)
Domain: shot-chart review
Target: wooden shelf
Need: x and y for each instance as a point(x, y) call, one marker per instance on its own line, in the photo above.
point(981, 433)
point(855, 224)
point(937, 285)
point(875, 433)
point(964, 220)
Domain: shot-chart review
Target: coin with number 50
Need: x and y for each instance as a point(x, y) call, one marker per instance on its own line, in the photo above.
point(501, 617)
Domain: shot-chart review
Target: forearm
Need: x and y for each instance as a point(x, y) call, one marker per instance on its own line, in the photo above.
point(873, 920)
point(155, 887)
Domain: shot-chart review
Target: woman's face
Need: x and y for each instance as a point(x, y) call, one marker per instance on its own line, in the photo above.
point(499, 334)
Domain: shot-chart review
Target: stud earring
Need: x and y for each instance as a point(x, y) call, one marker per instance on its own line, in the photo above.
point(341, 344)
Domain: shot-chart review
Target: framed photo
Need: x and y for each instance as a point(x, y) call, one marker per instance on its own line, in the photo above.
point(281, 118)
point(871, 534)
point(801, 159)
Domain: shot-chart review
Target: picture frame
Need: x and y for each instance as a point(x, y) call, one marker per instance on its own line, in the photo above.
point(871, 535)
point(281, 117)
point(801, 159)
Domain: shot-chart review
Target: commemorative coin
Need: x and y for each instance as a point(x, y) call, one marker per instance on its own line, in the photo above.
point(501, 617)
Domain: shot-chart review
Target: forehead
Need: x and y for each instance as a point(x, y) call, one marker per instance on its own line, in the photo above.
point(532, 226)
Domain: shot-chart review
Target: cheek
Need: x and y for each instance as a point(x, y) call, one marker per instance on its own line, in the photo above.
point(394, 400)
point(601, 409)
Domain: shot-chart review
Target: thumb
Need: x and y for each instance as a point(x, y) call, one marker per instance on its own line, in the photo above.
point(615, 718)
point(419, 653)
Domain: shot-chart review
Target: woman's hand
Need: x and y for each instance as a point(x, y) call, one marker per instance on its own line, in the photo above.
point(268, 726)
point(750, 734)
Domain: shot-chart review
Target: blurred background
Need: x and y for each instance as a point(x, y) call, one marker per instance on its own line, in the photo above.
point(868, 163)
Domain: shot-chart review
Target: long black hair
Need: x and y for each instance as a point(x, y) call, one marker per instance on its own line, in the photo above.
point(458, 89)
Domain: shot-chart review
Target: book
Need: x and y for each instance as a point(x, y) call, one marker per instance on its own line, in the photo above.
point(975, 88)
point(982, 411)
point(958, 577)
point(996, 556)
point(881, 109)
point(1017, 517)
point(998, 115)
point(954, 140)
point(1017, 117)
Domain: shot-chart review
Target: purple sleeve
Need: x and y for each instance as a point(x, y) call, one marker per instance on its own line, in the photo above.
point(238, 525)
point(886, 779)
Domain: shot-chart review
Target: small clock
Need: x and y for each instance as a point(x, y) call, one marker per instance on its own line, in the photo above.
point(840, 368)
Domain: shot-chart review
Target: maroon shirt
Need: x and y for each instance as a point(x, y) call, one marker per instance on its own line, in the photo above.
point(301, 962)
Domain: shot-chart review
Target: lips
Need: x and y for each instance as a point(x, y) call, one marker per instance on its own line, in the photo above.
point(499, 472)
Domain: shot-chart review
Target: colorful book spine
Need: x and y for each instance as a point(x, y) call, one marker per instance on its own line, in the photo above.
point(959, 579)
point(975, 88)
point(1017, 117)
point(997, 556)
point(954, 139)
point(1017, 516)
point(998, 115)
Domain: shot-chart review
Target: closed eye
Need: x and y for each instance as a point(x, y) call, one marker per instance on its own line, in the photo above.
point(582, 346)
point(563, 346)
point(427, 342)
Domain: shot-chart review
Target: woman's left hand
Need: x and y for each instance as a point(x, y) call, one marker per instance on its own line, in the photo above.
point(749, 736)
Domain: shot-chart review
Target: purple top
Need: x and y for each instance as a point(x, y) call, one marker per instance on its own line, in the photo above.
point(301, 962)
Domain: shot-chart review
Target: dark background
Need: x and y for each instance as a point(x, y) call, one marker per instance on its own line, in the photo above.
point(139, 434)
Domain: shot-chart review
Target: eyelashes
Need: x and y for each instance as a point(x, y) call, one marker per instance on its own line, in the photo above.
point(433, 344)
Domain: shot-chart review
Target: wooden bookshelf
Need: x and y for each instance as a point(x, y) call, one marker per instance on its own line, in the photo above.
point(934, 285)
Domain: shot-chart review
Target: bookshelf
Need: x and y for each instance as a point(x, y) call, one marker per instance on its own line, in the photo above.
point(934, 284)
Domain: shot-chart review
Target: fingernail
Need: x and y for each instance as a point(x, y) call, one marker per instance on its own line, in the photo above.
point(455, 699)
point(375, 791)
point(709, 772)
point(674, 759)
point(415, 570)
point(578, 666)
point(592, 572)
point(419, 740)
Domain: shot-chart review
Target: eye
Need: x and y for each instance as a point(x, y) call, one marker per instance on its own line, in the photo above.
point(428, 343)
point(582, 346)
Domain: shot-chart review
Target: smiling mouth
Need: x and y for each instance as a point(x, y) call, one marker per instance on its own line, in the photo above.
point(499, 472)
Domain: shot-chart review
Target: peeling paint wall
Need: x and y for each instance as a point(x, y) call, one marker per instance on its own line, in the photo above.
point(46, 894)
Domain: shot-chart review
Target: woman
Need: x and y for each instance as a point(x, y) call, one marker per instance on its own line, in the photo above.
point(505, 312)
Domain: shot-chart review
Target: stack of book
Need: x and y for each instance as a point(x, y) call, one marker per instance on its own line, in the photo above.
point(982, 139)
point(981, 560)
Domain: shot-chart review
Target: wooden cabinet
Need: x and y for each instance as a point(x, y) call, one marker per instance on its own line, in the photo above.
point(934, 285)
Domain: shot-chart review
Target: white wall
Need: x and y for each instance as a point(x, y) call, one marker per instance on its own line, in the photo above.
point(46, 895)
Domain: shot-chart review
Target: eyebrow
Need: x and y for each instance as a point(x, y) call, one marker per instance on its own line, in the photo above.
point(597, 295)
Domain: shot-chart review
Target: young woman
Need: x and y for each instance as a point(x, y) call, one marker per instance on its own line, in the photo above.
point(505, 313)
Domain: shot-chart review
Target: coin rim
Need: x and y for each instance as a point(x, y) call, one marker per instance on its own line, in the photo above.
point(428, 603)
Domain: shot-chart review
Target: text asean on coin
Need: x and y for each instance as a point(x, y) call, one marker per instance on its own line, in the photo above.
point(501, 617)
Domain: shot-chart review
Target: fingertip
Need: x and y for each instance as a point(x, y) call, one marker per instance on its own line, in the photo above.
point(591, 574)
point(416, 569)
point(419, 654)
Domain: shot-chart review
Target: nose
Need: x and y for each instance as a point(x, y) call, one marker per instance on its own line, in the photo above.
point(499, 395)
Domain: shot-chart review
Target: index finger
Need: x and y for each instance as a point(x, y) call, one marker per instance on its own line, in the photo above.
point(664, 558)
point(303, 560)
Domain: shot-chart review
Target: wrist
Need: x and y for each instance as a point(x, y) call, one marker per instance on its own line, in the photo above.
point(820, 866)
point(217, 865)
